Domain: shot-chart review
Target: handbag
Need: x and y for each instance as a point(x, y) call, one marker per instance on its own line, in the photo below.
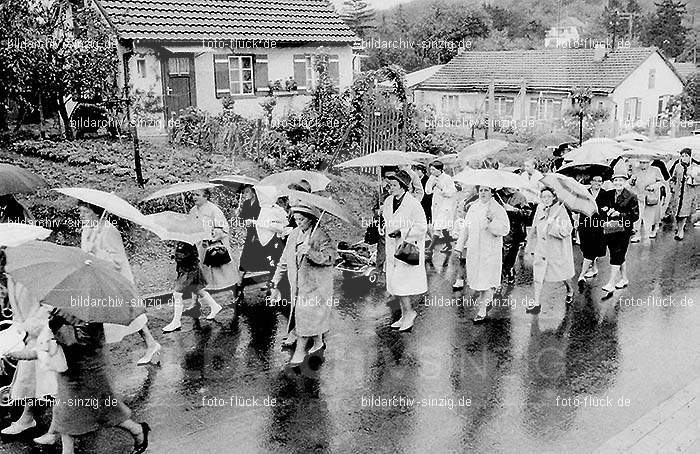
point(652, 197)
point(408, 252)
point(216, 255)
point(613, 226)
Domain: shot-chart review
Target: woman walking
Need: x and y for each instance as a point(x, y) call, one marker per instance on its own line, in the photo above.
point(485, 225)
point(551, 247)
point(519, 214)
point(441, 186)
point(100, 238)
point(621, 214)
point(307, 260)
point(86, 401)
point(215, 254)
point(684, 201)
point(590, 231)
point(253, 257)
point(646, 183)
point(404, 221)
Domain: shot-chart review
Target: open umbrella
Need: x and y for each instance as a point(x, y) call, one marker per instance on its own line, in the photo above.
point(553, 139)
point(632, 137)
point(481, 149)
point(179, 188)
point(588, 169)
point(571, 193)
point(14, 233)
point(325, 204)
point(16, 180)
point(234, 180)
point(492, 178)
point(110, 202)
point(599, 140)
point(595, 152)
point(86, 287)
point(379, 159)
point(172, 226)
point(420, 156)
point(318, 181)
point(675, 144)
point(640, 152)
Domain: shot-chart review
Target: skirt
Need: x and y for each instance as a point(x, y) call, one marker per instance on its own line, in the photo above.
point(189, 281)
point(592, 243)
point(618, 243)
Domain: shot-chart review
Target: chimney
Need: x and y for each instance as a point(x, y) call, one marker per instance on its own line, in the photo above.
point(599, 52)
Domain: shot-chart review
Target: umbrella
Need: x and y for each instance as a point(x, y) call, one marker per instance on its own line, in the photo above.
point(632, 137)
point(325, 204)
point(172, 226)
point(234, 180)
point(638, 152)
point(571, 193)
point(595, 152)
point(379, 159)
point(482, 149)
point(599, 140)
point(450, 159)
point(492, 178)
point(110, 202)
point(318, 181)
point(179, 188)
point(14, 233)
point(675, 144)
point(14, 180)
point(589, 169)
point(553, 139)
point(86, 287)
point(418, 155)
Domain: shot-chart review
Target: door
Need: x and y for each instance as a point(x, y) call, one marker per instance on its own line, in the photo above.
point(179, 85)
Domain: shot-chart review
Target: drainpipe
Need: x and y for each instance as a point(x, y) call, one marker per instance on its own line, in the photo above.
point(134, 131)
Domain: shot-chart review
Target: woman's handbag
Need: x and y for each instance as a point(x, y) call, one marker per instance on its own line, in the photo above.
point(613, 226)
point(408, 252)
point(216, 255)
point(651, 197)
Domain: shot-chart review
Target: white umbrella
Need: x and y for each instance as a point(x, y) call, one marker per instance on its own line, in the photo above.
point(109, 201)
point(379, 159)
point(492, 178)
point(179, 188)
point(13, 234)
point(317, 181)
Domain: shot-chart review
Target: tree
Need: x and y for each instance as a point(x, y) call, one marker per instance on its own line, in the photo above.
point(359, 16)
point(664, 28)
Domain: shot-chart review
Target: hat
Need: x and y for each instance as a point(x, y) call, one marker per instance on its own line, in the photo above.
point(620, 175)
point(687, 151)
point(644, 159)
point(402, 177)
point(437, 164)
point(300, 207)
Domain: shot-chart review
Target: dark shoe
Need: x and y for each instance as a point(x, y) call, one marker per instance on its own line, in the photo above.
point(534, 309)
point(581, 285)
point(569, 299)
point(140, 448)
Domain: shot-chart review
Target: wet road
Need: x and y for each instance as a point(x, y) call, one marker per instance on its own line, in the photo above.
point(448, 386)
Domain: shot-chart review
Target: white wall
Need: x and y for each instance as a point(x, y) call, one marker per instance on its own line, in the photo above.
point(637, 85)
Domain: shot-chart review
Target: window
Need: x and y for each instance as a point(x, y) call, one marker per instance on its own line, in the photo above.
point(652, 78)
point(663, 102)
point(179, 66)
point(546, 108)
point(241, 74)
point(450, 104)
point(141, 68)
point(503, 106)
point(632, 110)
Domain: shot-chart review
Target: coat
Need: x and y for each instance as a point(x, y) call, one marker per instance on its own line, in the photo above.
point(403, 279)
point(105, 242)
point(684, 185)
point(213, 219)
point(484, 242)
point(550, 242)
point(648, 182)
point(444, 204)
point(311, 280)
point(627, 205)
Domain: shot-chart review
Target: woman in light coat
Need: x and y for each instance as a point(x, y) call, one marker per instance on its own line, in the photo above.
point(308, 260)
point(214, 221)
point(102, 239)
point(444, 192)
point(404, 220)
point(481, 238)
point(551, 247)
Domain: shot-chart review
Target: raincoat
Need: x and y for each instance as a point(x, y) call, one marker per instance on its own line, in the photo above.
point(403, 279)
point(648, 183)
point(311, 280)
point(444, 205)
point(213, 219)
point(550, 241)
point(484, 242)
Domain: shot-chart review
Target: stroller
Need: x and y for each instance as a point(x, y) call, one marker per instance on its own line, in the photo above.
point(357, 260)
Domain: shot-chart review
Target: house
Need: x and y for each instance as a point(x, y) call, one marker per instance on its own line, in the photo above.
point(563, 33)
point(413, 78)
point(534, 87)
point(199, 52)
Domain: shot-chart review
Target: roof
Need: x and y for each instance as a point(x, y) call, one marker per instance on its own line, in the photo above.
point(195, 20)
point(416, 77)
point(557, 69)
point(686, 70)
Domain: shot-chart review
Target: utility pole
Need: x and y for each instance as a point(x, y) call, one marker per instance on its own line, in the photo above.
point(492, 105)
point(134, 130)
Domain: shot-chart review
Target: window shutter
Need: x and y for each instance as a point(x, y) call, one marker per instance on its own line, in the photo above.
point(334, 69)
point(300, 71)
point(222, 85)
point(638, 110)
point(626, 110)
point(260, 73)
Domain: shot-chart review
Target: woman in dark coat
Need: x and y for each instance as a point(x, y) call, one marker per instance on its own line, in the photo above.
point(253, 256)
point(86, 401)
point(519, 213)
point(684, 184)
point(590, 230)
point(621, 212)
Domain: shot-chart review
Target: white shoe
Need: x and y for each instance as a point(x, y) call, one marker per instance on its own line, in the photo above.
point(397, 323)
point(150, 354)
point(16, 429)
point(408, 322)
point(215, 309)
point(47, 439)
point(634, 239)
point(622, 283)
point(458, 285)
point(172, 326)
point(652, 234)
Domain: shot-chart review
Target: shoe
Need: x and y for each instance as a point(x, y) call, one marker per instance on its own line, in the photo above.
point(590, 274)
point(295, 363)
point(607, 294)
point(408, 323)
point(622, 283)
point(397, 323)
point(47, 439)
point(446, 249)
point(634, 239)
point(458, 285)
point(140, 448)
point(148, 357)
point(609, 288)
point(581, 284)
point(569, 299)
point(479, 319)
point(313, 350)
point(215, 309)
point(171, 328)
point(533, 309)
point(652, 234)
point(16, 429)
